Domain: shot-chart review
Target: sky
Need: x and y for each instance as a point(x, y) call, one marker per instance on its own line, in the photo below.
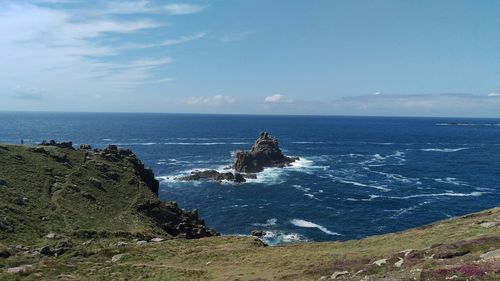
point(322, 57)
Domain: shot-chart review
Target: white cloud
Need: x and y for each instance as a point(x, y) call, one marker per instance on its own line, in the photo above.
point(129, 7)
point(494, 95)
point(238, 36)
point(278, 98)
point(168, 42)
point(216, 100)
point(143, 63)
point(376, 93)
point(27, 93)
point(183, 9)
point(167, 79)
point(40, 45)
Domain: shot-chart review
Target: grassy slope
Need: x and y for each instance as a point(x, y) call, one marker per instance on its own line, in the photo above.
point(46, 195)
point(218, 258)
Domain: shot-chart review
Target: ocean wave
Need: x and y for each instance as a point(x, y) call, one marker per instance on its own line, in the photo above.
point(469, 124)
point(270, 176)
point(278, 237)
point(445, 194)
point(308, 224)
point(396, 177)
point(182, 143)
point(173, 161)
point(452, 181)
point(443, 149)
point(304, 164)
point(299, 187)
point(308, 142)
point(403, 211)
point(355, 183)
point(205, 139)
point(268, 223)
point(397, 159)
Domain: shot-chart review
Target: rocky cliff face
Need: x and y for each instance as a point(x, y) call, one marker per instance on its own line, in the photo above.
point(264, 153)
point(54, 188)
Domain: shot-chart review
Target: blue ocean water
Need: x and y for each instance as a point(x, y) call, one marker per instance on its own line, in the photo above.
point(357, 176)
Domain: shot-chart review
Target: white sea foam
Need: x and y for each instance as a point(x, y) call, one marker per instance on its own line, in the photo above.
point(270, 176)
point(278, 237)
point(443, 149)
point(268, 223)
point(445, 194)
point(175, 143)
point(396, 177)
point(308, 224)
point(305, 165)
point(376, 160)
point(381, 143)
point(308, 142)
point(383, 188)
point(194, 143)
point(403, 211)
point(452, 181)
point(468, 124)
point(299, 187)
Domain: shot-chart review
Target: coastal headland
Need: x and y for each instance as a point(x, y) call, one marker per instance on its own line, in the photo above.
point(94, 214)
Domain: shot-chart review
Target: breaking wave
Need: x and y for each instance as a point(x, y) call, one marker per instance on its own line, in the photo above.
point(443, 149)
point(308, 224)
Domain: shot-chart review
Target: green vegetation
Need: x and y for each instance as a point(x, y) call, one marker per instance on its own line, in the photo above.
point(65, 217)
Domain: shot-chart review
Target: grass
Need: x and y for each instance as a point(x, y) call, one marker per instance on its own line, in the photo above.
point(445, 249)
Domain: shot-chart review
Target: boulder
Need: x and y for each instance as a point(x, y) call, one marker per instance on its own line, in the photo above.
point(213, 175)
point(20, 269)
point(85, 146)
point(4, 252)
point(258, 233)
point(117, 258)
point(491, 255)
point(67, 144)
point(264, 153)
point(338, 274)
point(4, 184)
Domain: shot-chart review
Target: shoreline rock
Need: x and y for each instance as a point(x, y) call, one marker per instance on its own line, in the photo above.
point(213, 175)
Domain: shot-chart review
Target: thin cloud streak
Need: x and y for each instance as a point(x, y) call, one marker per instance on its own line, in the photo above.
point(183, 9)
point(168, 42)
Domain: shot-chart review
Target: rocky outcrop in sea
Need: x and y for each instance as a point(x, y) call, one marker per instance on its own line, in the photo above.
point(265, 153)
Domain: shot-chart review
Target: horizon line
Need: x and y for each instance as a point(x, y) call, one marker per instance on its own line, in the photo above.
point(245, 114)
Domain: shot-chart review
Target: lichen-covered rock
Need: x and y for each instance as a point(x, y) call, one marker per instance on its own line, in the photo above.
point(175, 221)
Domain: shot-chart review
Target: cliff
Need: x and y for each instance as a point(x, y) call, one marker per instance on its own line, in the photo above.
point(53, 188)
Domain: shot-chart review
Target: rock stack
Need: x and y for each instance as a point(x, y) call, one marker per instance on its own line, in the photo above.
point(264, 153)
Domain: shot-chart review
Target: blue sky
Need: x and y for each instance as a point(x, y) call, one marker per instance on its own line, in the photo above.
point(412, 58)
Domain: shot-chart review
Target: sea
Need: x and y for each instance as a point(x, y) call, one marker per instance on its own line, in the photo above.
point(356, 177)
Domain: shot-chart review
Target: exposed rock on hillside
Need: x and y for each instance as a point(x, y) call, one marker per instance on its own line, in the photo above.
point(53, 188)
